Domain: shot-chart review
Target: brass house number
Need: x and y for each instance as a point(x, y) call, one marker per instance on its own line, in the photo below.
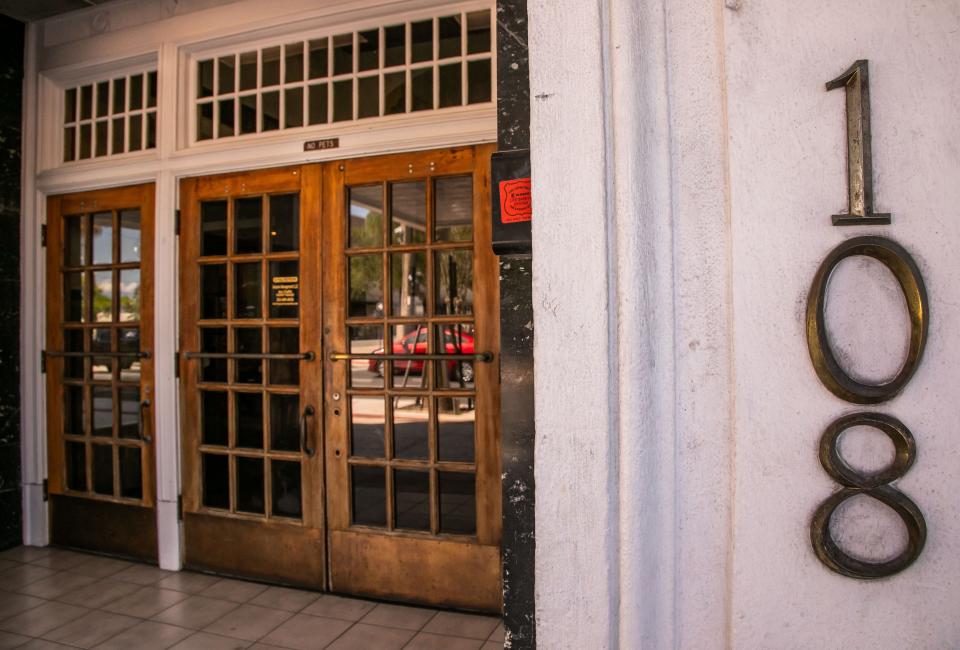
point(855, 82)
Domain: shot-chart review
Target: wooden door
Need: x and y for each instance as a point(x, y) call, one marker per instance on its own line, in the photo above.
point(99, 371)
point(411, 327)
point(251, 375)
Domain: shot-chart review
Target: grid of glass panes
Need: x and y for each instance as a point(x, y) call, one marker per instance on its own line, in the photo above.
point(410, 291)
point(110, 117)
point(249, 408)
point(404, 67)
point(102, 425)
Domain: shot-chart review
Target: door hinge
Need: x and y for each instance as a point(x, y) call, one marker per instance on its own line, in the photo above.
point(176, 222)
point(43, 361)
point(43, 235)
point(46, 489)
point(179, 507)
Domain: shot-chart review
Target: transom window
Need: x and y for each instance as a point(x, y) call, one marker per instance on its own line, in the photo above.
point(110, 117)
point(403, 67)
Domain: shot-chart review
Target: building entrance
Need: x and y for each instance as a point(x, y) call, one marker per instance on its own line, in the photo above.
point(339, 332)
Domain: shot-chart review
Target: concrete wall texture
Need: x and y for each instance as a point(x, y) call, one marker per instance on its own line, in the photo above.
point(686, 161)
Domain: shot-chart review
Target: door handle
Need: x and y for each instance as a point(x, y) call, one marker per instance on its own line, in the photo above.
point(144, 405)
point(308, 411)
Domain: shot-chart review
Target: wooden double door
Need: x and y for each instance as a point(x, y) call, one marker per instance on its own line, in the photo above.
point(339, 375)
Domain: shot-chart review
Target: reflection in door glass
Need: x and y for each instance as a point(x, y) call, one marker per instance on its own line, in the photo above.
point(367, 425)
point(250, 485)
point(411, 497)
point(130, 235)
point(285, 476)
point(284, 223)
point(408, 273)
point(73, 303)
point(408, 212)
point(102, 234)
point(366, 216)
point(454, 208)
point(411, 417)
point(216, 481)
point(129, 295)
point(247, 225)
point(284, 422)
point(366, 285)
point(369, 495)
point(247, 290)
point(366, 339)
point(454, 282)
point(284, 340)
point(455, 338)
point(103, 469)
point(249, 420)
point(458, 503)
point(247, 341)
point(74, 251)
point(410, 338)
point(130, 413)
point(102, 411)
point(456, 421)
point(101, 367)
point(103, 296)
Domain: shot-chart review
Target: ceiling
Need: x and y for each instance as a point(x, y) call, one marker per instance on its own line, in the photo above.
point(27, 10)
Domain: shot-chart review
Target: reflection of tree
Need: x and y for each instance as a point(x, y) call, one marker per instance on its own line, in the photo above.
point(101, 302)
point(130, 303)
point(365, 269)
point(455, 282)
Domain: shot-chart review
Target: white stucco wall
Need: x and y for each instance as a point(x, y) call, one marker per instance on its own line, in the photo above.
point(686, 161)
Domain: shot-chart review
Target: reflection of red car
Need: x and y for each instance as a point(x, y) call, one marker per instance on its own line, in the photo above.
point(415, 342)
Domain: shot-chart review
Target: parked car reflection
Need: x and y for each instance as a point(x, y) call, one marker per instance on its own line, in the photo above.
point(455, 341)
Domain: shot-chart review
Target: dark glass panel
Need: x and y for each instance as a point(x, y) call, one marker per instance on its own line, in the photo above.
point(369, 492)
point(76, 462)
point(318, 58)
point(478, 31)
point(102, 229)
point(448, 28)
point(73, 342)
point(129, 295)
point(284, 340)
point(226, 71)
point(102, 140)
point(270, 74)
point(408, 212)
point(136, 92)
point(293, 108)
point(250, 485)
point(367, 426)
point(74, 244)
point(343, 100)
point(394, 93)
point(454, 282)
point(69, 144)
point(284, 289)
point(70, 106)
point(319, 104)
point(151, 89)
point(366, 216)
point(86, 102)
point(151, 130)
point(421, 89)
point(368, 50)
point(285, 422)
point(284, 223)
point(408, 284)
point(249, 420)
point(454, 208)
point(248, 71)
point(216, 481)
point(411, 499)
point(456, 423)
point(228, 118)
point(285, 477)
point(103, 296)
point(119, 95)
point(458, 503)
point(366, 285)
point(130, 235)
point(74, 411)
point(270, 111)
point(205, 78)
point(248, 114)
point(103, 469)
point(411, 417)
point(394, 43)
point(368, 97)
point(136, 129)
point(247, 290)
point(366, 339)
point(129, 413)
point(343, 54)
point(478, 81)
point(248, 341)
point(213, 339)
point(421, 41)
point(248, 227)
point(119, 135)
point(294, 62)
point(85, 141)
point(213, 228)
point(103, 98)
point(102, 401)
point(213, 417)
point(101, 367)
point(73, 307)
point(451, 87)
point(213, 291)
point(131, 475)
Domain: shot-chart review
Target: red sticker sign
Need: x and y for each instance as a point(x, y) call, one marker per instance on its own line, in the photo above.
point(515, 203)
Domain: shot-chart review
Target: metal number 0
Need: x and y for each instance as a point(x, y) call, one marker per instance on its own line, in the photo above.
point(873, 485)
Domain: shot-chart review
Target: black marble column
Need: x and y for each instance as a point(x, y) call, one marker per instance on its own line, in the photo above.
point(516, 347)
point(11, 79)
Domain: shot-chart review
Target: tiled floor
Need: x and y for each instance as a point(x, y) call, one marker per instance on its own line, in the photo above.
point(51, 598)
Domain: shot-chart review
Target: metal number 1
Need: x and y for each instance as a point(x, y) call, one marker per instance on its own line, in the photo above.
point(856, 83)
